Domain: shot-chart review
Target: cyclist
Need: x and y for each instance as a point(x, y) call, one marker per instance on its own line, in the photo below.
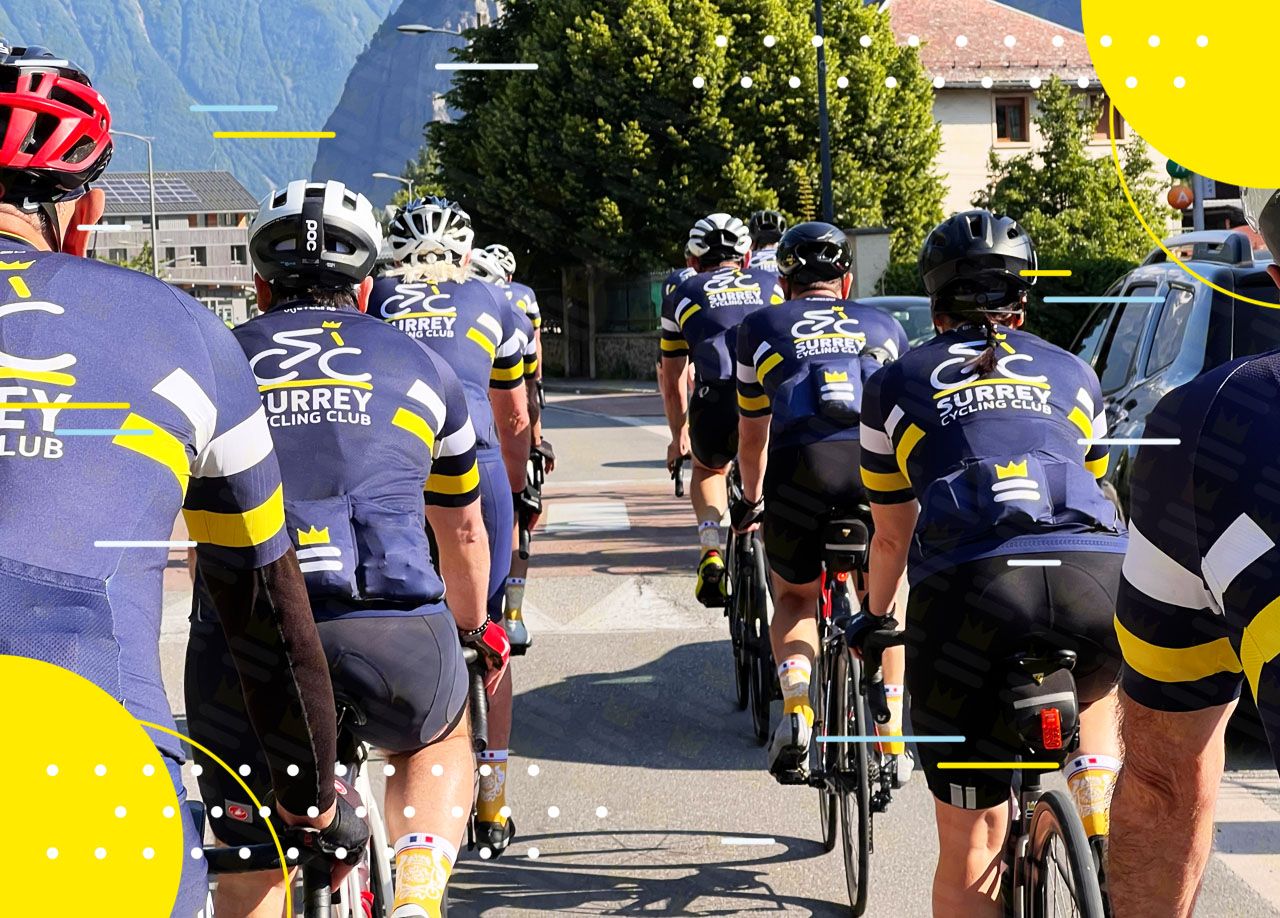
point(474, 329)
point(1197, 615)
point(983, 426)
point(669, 286)
point(364, 419)
point(79, 332)
point(766, 227)
point(800, 371)
point(698, 326)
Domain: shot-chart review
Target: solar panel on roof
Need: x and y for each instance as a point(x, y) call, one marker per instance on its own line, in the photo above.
point(137, 191)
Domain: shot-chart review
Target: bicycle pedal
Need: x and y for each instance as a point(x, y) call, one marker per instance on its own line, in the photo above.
point(793, 778)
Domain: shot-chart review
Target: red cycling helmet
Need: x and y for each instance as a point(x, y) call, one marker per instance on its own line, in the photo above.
point(54, 128)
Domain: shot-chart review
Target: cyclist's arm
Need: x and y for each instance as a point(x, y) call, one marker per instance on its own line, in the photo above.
point(754, 417)
point(507, 395)
point(894, 525)
point(1173, 762)
point(675, 359)
point(893, 504)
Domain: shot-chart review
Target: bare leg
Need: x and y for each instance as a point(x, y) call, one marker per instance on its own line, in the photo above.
point(970, 850)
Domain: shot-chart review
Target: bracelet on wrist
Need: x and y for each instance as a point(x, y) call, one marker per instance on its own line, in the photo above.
point(473, 633)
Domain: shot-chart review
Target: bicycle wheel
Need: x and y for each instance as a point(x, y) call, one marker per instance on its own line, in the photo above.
point(855, 795)
point(822, 756)
point(737, 631)
point(763, 677)
point(1060, 871)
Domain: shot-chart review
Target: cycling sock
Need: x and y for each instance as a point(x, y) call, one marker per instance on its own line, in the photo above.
point(515, 596)
point(892, 694)
point(794, 673)
point(709, 535)
point(493, 788)
point(423, 865)
point(1091, 779)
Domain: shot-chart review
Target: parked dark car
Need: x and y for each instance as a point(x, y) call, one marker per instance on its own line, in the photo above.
point(911, 311)
point(1142, 350)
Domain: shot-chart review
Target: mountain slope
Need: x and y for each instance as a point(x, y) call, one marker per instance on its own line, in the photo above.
point(152, 59)
point(389, 96)
point(1063, 12)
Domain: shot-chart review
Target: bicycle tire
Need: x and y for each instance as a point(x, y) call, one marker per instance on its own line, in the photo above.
point(755, 593)
point(1054, 819)
point(822, 756)
point(737, 631)
point(855, 797)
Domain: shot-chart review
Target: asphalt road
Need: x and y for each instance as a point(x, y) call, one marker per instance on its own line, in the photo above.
point(635, 783)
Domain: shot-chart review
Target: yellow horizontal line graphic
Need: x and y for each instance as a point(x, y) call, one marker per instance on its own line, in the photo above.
point(53, 379)
point(62, 406)
point(1048, 272)
point(273, 135)
point(983, 382)
point(955, 766)
point(446, 313)
point(301, 383)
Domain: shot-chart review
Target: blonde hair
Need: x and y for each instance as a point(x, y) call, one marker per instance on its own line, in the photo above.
point(435, 272)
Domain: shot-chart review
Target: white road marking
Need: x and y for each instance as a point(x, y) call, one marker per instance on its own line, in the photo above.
point(594, 516)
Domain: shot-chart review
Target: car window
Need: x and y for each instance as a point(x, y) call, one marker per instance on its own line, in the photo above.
point(1175, 315)
point(1126, 336)
point(1256, 330)
point(1090, 336)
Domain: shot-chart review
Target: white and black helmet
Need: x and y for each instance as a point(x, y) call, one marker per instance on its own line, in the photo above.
point(315, 234)
point(506, 257)
point(430, 230)
point(486, 267)
point(719, 236)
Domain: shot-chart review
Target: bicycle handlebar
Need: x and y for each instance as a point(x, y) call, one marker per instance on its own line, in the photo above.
point(479, 700)
point(872, 637)
point(676, 477)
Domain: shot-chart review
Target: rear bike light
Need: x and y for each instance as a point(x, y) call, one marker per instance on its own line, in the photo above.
point(1051, 728)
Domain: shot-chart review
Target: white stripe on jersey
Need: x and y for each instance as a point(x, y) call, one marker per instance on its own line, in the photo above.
point(892, 347)
point(1240, 545)
point(309, 566)
point(185, 393)
point(875, 441)
point(513, 345)
point(491, 324)
point(760, 352)
point(893, 420)
point(1084, 399)
point(320, 551)
point(1154, 573)
point(456, 443)
point(669, 325)
point(421, 393)
point(236, 450)
point(747, 374)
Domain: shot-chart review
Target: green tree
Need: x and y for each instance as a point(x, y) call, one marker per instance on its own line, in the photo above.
point(611, 149)
point(140, 262)
point(424, 171)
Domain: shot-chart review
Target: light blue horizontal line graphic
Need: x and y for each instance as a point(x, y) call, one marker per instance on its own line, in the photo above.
point(1103, 299)
point(142, 543)
point(100, 432)
point(233, 108)
point(891, 739)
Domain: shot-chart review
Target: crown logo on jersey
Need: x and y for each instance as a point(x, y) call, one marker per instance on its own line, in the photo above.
point(331, 325)
point(834, 376)
point(1012, 470)
point(314, 536)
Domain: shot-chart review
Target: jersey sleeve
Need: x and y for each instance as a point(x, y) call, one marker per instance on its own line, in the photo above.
point(753, 401)
point(673, 342)
point(528, 303)
point(777, 297)
point(234, 505)
point(884, 480)
point(1178, 655)
point(455, 475)
point(508, 358)
point(1090, 415)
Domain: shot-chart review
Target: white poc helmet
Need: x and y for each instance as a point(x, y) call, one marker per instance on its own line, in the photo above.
point(486, 267)
point(719, 235)
point(430, 230)
point(506, 258)
point(315, 234)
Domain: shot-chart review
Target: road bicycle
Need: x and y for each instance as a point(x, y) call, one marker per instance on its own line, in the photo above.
point(747, 608)
point(853, 778)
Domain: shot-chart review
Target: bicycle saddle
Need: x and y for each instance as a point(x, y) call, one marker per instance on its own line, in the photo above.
point(844, 544)
point(1039, 665)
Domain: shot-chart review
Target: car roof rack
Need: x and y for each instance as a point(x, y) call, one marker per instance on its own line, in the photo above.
point(1223, 247)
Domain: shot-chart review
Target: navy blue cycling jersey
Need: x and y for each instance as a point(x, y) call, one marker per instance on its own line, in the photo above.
point(700, 319)
point(365, 419)
point(526, 301)
point(802, 363)
point(122, 402)
point(471, 326)
point(997, 462)
point(1199, 610)
point(765, 258)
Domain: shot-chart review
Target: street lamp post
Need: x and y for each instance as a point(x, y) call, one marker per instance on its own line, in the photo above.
point(417, 28)
point(824, 127)
point(396, 178)
point(151, 183)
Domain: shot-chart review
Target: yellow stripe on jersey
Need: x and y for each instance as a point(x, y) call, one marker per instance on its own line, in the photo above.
point(983, 382)
point(1098, 467)
point(161, 446)
point(531, 366)
point(416, 425)
point(768, 364)
point(1176, 664)
point(684, 316)
point(44, 376)
point(759, 403)
point(884, 481)
point(1260, 643)
point(910, 438)
point(482, 339)
point(238, 530)
point(20, 287)
point(507, 374)
point(440, 483)
point(1081, 420)
point(671, 345)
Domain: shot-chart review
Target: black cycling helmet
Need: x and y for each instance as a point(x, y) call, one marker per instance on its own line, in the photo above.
point(813, 252)
point(974, 262)
point(766, 227)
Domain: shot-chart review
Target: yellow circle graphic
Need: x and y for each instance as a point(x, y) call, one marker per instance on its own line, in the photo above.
point(1172, 64)
point(93, 811)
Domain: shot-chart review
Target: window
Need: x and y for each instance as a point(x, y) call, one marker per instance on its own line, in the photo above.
point(1102, 131)
point(1090, 337)
point(1012, 119)
point(228, 219)
point(1117, 356)
point(239, 255)
point(119, 256)
point(192, 221)
point(210, 220)
point(1175, 315)
point(170, 254)
point(199, 255)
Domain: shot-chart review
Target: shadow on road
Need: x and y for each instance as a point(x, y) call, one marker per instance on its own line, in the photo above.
point(617, 876)
point(674, 712)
